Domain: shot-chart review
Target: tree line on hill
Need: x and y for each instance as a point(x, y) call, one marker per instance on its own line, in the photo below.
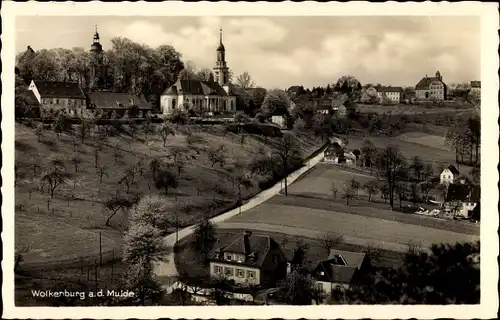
point(131, 67)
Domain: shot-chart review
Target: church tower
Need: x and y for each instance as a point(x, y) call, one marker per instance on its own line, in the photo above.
point(97, 66)
point(221, 71)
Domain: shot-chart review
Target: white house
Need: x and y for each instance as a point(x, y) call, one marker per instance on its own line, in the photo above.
point(393, 94)
point(448, 175)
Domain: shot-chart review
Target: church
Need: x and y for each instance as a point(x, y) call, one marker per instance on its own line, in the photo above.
point(211, 97)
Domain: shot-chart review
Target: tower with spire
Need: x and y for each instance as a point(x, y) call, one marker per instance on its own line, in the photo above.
point(97, 65)
point(221, 71)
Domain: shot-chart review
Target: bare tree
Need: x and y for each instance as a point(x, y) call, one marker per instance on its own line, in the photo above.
point(217, 155)
point(165, 130)
point(166, 179)
point(287, 153)
point(101, 172)
point(330, 241)
point(76, 160)
point(54, 178)
point(335, 190)
point(392, 167)
point(39, 131)
point(96, 152)
point(371, 188)
point(347, 192)
point(245, 81)
point(179, 158)
point(116, 204)
point(128, 178)
point(355, 185)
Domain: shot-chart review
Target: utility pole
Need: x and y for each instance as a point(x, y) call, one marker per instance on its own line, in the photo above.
point(100, 249)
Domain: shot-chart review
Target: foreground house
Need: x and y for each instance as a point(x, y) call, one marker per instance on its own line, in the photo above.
point(339, 270)
point(462, 199)
point(449, 175)
point(431, 88)
point(206, 96)
point(65, 97)
point(248, 259)
point(114, 105)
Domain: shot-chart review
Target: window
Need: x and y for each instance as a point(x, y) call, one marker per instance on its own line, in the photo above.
point(217, 269)
point(228, 271)
point(250, 274)
point(320, 286)
point(228, 256)
point(240, 273)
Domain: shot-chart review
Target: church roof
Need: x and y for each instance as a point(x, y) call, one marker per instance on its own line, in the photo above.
point(57, 89)
point(425, 82)
point(196, 87)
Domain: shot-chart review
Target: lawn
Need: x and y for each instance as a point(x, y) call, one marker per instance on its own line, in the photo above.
point(433, 141)
point(412, 109)
point(433, 152)
point(381, 233)
point(77, 212)
point(319, 180)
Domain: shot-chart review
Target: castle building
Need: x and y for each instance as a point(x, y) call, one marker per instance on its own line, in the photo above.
point(431, 88)
point(207, 97)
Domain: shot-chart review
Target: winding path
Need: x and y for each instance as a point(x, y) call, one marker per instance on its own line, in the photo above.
point(167, 272)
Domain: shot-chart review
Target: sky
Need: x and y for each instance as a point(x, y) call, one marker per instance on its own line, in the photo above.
point(279, 52)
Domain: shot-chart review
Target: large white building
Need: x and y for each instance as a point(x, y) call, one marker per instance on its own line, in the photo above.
point(206, 96)
point(431, 88)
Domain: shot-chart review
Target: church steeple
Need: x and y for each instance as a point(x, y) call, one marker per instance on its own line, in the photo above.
point(221, 45)
point(221, 71)
point(96, 35)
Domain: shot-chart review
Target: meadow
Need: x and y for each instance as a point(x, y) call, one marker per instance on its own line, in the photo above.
point(66, 227)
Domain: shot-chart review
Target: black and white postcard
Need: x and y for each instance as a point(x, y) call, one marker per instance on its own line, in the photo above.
point(250, 160)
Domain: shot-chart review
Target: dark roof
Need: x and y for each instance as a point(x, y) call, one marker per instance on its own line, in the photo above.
point(453, 169)
point(113, 100)
point(475, 193)
point(457, 192)
point(340, 266)
point(475, 84)
point(256, 252)
point(29, 96)
point(390, 89)
point(426, 82)
point(195, 87)
point(56, 89)
point(295, 89)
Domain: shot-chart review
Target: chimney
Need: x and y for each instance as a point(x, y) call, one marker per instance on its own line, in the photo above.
point(246, 241)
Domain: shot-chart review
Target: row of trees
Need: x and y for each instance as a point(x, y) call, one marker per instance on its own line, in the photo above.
point(464, 138)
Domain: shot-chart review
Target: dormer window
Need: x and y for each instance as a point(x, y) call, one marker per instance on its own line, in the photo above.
point(321, 273)
point(228, 256)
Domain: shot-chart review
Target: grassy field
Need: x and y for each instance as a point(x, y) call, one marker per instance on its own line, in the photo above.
point(320, 179)
point(381, 232)
point(67, 226)
point(413, 109)
point(429, 148)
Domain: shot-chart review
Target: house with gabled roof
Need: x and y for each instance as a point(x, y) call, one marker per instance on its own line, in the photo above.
point(61, 96)
point(248, 259)
point(338, 270)
point(431, 88)
point(209, 97)
point(449, 174)
point(461, 199)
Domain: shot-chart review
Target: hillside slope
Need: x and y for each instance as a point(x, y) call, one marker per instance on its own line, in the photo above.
point(66, 228)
